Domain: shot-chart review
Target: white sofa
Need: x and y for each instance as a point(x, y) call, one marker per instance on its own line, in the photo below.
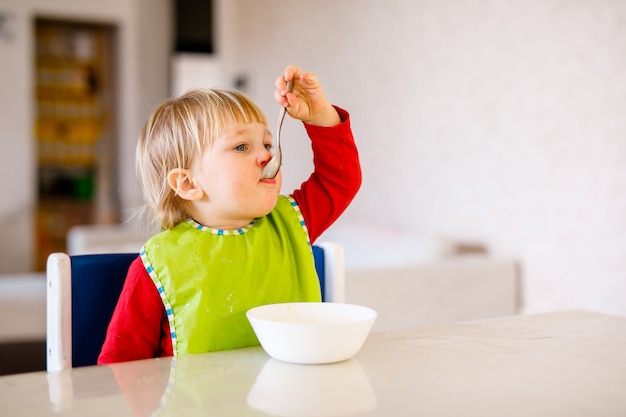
point(411, 279)
point(22, 323)
point(23, 304)
point(448, 290)
point(23, 296)
point(416, 278)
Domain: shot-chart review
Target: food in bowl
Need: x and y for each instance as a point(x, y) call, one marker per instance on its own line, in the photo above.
point(311, 332)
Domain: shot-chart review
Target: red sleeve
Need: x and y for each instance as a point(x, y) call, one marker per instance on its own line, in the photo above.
point(138, 328)
point(336, 177)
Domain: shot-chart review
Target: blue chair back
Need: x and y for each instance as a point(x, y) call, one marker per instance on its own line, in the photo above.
point(94, 277)
point(318, 255)
point(101, 277)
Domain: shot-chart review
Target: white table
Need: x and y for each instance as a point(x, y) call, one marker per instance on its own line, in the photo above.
point(559, 364)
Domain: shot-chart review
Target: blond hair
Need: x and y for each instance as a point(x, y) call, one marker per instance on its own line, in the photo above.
point(175, 134)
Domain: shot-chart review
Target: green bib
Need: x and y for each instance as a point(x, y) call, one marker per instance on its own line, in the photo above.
point(208, 278)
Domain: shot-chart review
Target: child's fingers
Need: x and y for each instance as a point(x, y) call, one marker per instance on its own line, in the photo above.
point(281, 91)
point(308, 79)
point(280, 97)
point(292, 72)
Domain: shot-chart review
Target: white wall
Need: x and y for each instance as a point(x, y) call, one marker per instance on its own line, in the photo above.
point(502, 122)
point(494, 121)
point(144, 46)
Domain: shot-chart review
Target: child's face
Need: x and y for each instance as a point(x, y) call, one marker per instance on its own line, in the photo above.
point(229, 172)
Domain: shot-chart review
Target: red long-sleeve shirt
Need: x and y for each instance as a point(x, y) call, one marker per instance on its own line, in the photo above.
point(139, 328)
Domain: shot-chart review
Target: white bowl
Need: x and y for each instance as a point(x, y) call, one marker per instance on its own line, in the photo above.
point(311, 332)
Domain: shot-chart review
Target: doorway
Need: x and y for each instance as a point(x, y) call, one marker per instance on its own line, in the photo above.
point(74, 129)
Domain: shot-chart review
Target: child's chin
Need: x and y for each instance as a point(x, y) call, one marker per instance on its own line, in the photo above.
point(266, 209)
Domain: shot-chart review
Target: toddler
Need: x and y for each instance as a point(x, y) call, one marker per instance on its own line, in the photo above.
point(229, 240)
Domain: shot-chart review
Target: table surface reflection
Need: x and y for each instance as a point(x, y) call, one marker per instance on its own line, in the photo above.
point(556, 364)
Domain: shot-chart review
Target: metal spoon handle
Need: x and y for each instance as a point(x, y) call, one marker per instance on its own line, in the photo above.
point(281, 116)
point(273, 165)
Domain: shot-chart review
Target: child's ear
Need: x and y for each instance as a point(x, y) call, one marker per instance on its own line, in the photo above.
point(181, 181)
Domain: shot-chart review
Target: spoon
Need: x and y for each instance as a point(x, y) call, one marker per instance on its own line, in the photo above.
point(273, 165)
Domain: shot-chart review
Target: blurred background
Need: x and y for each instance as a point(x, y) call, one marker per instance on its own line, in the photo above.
point(496, 122)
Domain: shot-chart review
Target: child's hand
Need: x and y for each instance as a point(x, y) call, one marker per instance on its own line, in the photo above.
point(307, 102)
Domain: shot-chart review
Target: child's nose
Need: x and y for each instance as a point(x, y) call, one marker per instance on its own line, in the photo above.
point(264, 157)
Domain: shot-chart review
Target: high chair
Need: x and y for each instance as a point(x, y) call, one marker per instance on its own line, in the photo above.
point(82, 291)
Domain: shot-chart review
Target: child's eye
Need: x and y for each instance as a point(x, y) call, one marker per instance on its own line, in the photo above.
point(240, 148)
point(268, 146)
